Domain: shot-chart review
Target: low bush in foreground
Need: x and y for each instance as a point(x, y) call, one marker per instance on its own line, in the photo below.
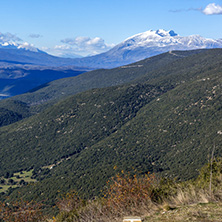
point(127, 194)
point(21, 211)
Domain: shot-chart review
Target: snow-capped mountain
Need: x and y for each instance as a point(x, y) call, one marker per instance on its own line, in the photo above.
point(150, 43)
point(162, 38)
point(133, 49)
point(15, 45)
point(147, 44)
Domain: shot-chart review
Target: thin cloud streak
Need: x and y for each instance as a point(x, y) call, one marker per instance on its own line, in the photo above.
point(35, 36)
point(210, 9)
point(186, 10)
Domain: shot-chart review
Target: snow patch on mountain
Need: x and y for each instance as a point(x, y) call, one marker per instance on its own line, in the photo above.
point(14, 45)
point(151, 43)
point(163, 38)
point(145, 45)
point(133, 49)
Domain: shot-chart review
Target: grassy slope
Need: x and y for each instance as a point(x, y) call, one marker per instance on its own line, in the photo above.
point(209, 212)
point(151, 198)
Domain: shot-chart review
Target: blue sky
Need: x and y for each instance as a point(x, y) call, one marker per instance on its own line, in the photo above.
point(92, 26)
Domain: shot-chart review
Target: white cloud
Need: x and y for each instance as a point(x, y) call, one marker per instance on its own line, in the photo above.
point(62, 51)
point(213, 9)
point(62, 47)
point(210, 9)
point(87, 46)
point(8, 37)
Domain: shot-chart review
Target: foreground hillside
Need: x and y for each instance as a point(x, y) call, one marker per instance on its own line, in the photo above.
point(210, 212)
point(148, 196)
point(151, 198)
point(165, 121)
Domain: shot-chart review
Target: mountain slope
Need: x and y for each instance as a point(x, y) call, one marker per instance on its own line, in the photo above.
point(13, 111)
point(103, 78)
point(19, 56)
point(69, 115)
point(168, 127)
point(48, 94)
point(149, 69)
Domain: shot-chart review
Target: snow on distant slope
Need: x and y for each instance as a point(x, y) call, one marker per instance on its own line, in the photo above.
point(133, 49)
point(14, 45)
point(151, 43)
point(147, 44)
point(162, 38)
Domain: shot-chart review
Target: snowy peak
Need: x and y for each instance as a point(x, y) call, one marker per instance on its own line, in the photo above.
point(29, 47)
point(14, 45)
point(160, 33)
point(163, 39)
point(133, 49)
point(147, 44)
point(151, 38)
point(8, 45)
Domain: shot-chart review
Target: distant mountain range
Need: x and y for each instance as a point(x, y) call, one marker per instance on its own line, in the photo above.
point(145, 45)
point(15, 45)
point(10, 56)
point(24, 67)
point(133, 49)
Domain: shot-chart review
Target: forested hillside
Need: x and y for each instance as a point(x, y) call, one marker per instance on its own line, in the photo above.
point(165, 121)
point(45, 95)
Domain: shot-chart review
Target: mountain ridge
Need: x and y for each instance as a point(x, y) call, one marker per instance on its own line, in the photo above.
point(132, 49)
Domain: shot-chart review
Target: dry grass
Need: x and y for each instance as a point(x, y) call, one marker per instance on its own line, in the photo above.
point(208, 212)
point(152, 200)
point(190, 195)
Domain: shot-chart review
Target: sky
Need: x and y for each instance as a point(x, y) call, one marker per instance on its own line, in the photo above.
point(88, 27)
